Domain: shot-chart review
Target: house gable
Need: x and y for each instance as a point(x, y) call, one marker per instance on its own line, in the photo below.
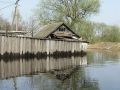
point(63, 31)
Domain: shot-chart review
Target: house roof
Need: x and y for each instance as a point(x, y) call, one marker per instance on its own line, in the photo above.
point(50, 28)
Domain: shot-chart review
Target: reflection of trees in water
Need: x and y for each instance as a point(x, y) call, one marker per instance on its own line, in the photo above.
point(14, 83)
point(77, 80)
point(100, 57)
point(61, 74)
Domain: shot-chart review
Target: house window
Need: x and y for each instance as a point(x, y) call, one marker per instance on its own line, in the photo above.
point(62, 29)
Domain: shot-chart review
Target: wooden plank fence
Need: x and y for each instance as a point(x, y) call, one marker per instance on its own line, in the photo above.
point(23, 45)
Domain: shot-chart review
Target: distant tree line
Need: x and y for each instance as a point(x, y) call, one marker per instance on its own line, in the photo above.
point(99, 32)
point(6, 25)
point(106, 33)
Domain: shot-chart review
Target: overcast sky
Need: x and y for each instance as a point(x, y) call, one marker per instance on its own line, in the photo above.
point(109, 11)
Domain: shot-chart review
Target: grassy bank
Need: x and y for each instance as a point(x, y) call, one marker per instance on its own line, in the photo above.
point(115, 46)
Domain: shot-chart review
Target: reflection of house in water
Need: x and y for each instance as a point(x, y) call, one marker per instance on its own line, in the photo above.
point(51, 74)
point(64, 74)
point(26, 67)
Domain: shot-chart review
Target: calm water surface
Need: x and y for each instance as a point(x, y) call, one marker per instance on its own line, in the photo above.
point(99, 70)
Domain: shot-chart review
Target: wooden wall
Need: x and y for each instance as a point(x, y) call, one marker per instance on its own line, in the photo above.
point(24, 45)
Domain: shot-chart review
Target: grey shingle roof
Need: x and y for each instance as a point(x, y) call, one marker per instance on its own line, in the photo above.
point(47, 29)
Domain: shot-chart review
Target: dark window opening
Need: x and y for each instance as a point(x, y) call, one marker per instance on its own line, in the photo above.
point(62, 29)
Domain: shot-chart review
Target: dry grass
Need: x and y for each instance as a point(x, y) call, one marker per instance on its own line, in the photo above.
point(105, 46)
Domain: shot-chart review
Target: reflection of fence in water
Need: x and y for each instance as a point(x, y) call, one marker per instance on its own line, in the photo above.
point(26, 67)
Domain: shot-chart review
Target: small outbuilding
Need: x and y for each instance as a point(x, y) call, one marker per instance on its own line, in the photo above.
point(56, 31)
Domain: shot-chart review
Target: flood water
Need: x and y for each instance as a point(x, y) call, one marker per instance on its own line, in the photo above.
point(99, 70)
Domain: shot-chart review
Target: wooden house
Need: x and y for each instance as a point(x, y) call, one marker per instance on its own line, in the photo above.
point(56, 31)
point(53, 39)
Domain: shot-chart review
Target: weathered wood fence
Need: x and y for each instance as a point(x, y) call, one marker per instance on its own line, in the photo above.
point(23, 45)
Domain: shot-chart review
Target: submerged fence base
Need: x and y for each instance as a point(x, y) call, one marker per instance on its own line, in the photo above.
point(40, 55)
